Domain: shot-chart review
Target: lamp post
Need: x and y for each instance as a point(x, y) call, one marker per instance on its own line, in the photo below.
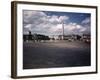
point(30, 35)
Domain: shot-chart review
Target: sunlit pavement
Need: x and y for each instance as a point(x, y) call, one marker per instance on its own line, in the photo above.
point(50, 54)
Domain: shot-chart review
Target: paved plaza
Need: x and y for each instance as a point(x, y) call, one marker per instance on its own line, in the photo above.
point(56, 54)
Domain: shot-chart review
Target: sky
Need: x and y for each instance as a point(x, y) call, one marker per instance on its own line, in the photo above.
point(50, 22)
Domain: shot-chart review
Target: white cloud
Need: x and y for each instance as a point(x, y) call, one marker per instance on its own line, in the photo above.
point(86, 21)
point(41, 23)
point(28, 26)
point(55, 28)
point(74, 28)
point(63, 18)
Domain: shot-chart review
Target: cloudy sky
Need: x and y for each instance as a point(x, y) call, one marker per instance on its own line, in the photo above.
point(50, 23)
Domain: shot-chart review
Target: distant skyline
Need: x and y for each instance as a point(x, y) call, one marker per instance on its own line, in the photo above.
point(50, 23)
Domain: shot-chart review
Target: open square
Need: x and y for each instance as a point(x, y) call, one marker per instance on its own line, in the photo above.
point(56, 54)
